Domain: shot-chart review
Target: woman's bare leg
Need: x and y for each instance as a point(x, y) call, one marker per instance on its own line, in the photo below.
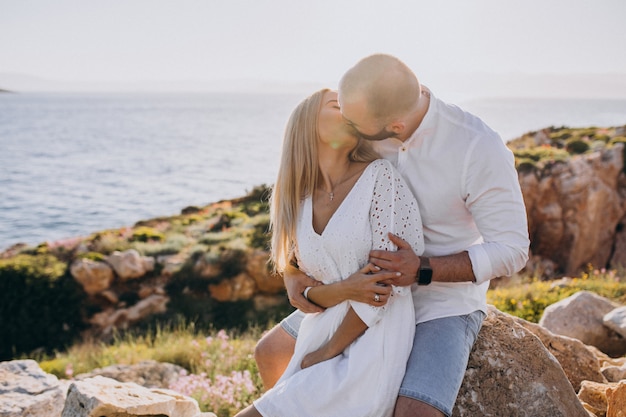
point(272, 354)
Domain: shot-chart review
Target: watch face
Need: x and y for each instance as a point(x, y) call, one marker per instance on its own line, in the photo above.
point(425, 277)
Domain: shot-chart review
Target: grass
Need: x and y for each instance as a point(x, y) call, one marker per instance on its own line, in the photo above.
point(221, 373)
point(527, 298)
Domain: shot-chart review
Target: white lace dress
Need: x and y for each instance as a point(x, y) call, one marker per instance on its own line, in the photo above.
point(364, 380)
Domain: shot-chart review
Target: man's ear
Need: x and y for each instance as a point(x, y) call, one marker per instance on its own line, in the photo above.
point(396, 127)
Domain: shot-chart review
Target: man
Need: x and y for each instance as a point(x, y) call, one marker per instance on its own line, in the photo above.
point(475, 229)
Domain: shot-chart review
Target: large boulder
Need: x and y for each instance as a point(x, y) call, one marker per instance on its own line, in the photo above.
point(93, 276)
point(104, 322)
point(511, 373)
point(100, 396)
point(581, 316)
point(579, 362)
point(130, 264)
point(616, 320)
point(26, 390)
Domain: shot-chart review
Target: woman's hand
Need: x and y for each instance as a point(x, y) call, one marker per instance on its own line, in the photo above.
point(320, 355)
point(402, 261)
point(366, 285)
point(296, 282)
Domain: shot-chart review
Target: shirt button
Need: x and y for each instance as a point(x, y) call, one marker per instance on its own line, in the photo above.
point(403, 149)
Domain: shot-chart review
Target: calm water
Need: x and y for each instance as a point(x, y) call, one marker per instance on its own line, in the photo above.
point(71, 164)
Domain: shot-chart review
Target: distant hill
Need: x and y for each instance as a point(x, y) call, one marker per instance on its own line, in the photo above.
point(452, 86)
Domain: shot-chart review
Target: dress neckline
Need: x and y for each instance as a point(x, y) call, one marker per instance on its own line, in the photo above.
point(339, 207)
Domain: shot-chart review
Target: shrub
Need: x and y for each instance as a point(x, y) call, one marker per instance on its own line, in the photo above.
point(577, 146)
point(93, 256)
point(40, 305)
point(602, 137)
point(173, 244)
point(260, 235)
point(147, 234)
point(525, 165)
point(618, 139)
point(541, 155)
point(108, 241)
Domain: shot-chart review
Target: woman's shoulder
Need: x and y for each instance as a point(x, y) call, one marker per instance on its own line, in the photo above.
point(381, 166)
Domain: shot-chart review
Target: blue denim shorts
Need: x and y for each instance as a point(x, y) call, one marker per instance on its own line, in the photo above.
point(437, 364)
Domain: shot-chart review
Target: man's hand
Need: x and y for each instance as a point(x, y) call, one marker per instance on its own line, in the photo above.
point(296, 282)
point(404, 260)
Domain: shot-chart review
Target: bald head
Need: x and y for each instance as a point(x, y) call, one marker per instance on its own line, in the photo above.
point(383, 84)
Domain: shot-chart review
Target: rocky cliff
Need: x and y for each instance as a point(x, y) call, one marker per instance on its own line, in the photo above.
point(576, 206)
point(209, 264)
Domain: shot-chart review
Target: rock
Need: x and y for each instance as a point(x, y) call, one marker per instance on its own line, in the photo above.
point(616, 320)
point(616, 399)
point(105, 321)
point(257, 267)
point(580, 316)
point(26, 390)
point(240, 287)
point(594, 394)
point(93, 276)
point(171, 264)
point(574, 209)
point(619, 252)
point(578, 361)
point(208, 268)
point(510, 373)
point(614, 373)
point(130, 264)
point(149, 374)
point(100, 396)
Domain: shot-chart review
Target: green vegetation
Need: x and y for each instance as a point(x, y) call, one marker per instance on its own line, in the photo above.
point(42, 309)
point(527, 298)
point(539, 150)
point(40, 304)
point(221, 373)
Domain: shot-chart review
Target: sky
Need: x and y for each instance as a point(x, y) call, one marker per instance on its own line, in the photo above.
point(560, 47)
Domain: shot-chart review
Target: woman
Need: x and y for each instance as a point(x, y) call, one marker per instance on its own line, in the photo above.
point(333, 202)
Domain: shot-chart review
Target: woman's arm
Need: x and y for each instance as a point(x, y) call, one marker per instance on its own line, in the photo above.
point(361, 286)
point(348, 331)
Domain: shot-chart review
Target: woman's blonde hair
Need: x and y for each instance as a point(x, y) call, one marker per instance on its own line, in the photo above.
point(298, 175)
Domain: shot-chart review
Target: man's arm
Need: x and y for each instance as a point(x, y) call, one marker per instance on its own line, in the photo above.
point(361, 286)
point(450, 268)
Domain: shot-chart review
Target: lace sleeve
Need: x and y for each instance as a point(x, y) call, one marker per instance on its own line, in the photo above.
point(393, 209)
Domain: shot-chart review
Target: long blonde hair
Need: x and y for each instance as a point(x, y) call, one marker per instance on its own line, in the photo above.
point(298, 175)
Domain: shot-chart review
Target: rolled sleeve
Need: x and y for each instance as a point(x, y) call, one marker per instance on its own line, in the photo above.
point(481, 265)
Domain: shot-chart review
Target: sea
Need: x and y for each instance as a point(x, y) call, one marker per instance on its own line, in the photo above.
point(76, 163)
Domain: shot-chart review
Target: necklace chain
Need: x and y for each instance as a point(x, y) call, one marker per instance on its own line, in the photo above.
point(331, 194)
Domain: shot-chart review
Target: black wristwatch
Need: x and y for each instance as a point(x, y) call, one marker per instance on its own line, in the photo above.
point(425, 273)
